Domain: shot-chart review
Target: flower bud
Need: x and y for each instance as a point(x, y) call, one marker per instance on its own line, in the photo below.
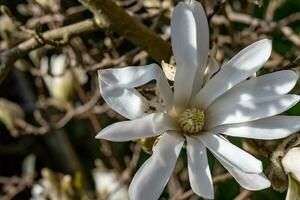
point(59, 80)
point(108, 184)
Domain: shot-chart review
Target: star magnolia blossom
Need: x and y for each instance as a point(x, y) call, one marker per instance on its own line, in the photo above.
point(198, 113)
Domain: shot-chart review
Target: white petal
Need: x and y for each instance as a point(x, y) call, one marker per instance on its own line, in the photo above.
point(293, 192)
point(147, 126)
point(150, 180)
point(231, 154)
point(275, 127)
point(58, 64)
point(189, 31)
point(127, 102)
point(117, 89)
point(241, 66)
point(199, 172)
point(246, 180)
point(273, 84)
point(202, 42)
point(291, 163)
point(249, 110)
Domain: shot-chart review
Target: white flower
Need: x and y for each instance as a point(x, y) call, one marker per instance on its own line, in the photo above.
point(291, 165)
point(108, 184)
point(60, 80)
point(227, 104)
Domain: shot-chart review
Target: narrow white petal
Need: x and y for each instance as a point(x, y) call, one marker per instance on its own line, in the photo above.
point(199, 172)
point(150, 180)
point(241, 66)
point(202, 42)
point(231, 154)
point(117, 89)
point(293, 192)
point(248, 181)
point(184, 43)
point(275, 127)
point(273, 84)
point(126, 102)
point(147, 126)
point(250, 110)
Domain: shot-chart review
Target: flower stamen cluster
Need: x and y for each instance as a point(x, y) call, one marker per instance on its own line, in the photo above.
point(191, 121)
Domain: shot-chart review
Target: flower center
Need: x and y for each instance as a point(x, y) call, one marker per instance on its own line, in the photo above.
point(191, 120)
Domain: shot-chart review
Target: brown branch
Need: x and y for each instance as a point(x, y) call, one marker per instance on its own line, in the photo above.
point(10, 56)
point(107, 15)
point(129, 27)
point(216, 8)
point(295, 63)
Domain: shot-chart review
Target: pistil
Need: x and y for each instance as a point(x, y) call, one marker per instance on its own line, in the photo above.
point(191, 121)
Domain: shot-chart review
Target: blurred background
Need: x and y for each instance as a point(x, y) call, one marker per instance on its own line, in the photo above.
point(51, 108)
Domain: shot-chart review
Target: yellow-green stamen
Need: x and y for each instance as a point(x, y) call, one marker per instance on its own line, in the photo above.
point(191, 120)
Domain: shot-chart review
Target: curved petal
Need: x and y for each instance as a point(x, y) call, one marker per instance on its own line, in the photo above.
point(241, 66)
point(117, 89)
point(231, 154)
point(199, 172)
point(189, 32)
point(246, 180)
point(268, 85)
point(290, 163)
point(202, 42)
point(147, 126)
point(127, 102)
point(150, 180)
point(243, 111)
point(293, 192)
point(265, 129)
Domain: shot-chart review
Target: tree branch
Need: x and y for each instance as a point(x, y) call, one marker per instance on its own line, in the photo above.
point(10, 56)
point(129, 27)
point(107, 15)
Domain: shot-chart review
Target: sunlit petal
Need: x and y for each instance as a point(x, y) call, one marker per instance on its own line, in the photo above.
point(147, 126)
point(249, 110)
point(199, 172)
point(268, 85)
point(117, 89)
point(241, 66)
point(231, 154)
point(249, 181)
point(150, 180)
point(190, 46)
point(275, 127)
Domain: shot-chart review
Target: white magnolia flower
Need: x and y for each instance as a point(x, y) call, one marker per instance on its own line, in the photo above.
point(198, 114)
point(58, 79)
point(291, 166)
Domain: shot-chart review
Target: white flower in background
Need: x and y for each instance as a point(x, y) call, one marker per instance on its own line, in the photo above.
point(291, 165)
point(198, 113)
point(58, 79)
point(108, 184)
